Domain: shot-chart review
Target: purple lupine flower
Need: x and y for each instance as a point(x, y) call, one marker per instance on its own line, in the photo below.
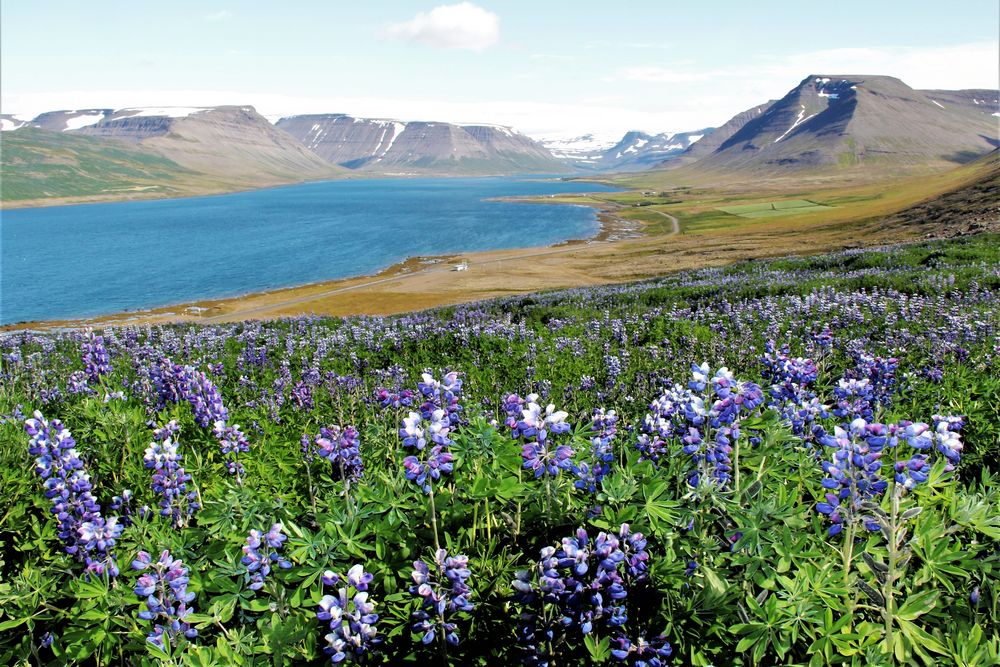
point(163, 587)
point(170, 479)
point(394, 399)
point(425, 471)
point(204, 397)
point(948, 441)
point(853, 472)
point(302, 396)
point(431, 440)
point(96, 361)
point(855, 399)
point(584, 582)
point(444, 590)
point(77, 383)
point(232, 443)
point(123, 505)
point(591, 473)
point(85, 533)
point(259, 563)
point(441, 394)
point(513, 405)
point(642, 652)
point(540, 454)
point(707, 435)
point(351, 615)
point(341, 447)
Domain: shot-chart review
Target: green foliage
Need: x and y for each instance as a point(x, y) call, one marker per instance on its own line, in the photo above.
point(770, 586)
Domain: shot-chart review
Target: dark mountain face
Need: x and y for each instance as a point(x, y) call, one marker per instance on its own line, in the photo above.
point(382, 145)
point(710, 142)
point(843, 121)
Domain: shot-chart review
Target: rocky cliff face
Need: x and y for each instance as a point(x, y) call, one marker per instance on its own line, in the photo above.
point(391, 146)
point(838, 121)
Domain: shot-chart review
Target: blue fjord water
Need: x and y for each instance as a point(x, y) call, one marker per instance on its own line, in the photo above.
point(94, 259)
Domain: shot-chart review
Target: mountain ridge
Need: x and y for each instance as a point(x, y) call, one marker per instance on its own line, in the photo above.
point(385, 145)
point(832, 122)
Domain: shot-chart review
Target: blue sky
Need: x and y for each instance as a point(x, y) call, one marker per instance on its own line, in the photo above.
point(548, 68)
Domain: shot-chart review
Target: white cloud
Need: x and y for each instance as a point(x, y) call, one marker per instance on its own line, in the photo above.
point(459, 26)
point(221, 15)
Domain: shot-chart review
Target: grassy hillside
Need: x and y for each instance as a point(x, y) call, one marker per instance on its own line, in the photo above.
point(39, 164)
point(791, 201)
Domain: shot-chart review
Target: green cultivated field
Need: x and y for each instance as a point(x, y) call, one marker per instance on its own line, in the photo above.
point(772, 209)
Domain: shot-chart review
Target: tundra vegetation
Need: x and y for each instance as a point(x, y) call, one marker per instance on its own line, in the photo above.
point(783, 462)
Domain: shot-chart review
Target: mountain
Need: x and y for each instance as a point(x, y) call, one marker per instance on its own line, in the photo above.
point(712, 141)
point(635, 151)
point(231, 142)
point(832, 122)
point(579, 150)
point(393, 146)
point(194, 150)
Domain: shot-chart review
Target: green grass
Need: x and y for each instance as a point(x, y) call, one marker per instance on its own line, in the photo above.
point(771, 209)
point(39, 164)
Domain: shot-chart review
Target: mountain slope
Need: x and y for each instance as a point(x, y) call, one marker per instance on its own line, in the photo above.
point(831, 122)
point(711, 142)
point(390, 146)
point(44, 164)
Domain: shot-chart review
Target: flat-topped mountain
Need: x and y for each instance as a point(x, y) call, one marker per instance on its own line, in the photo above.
point(841, 121)
point(393, 146)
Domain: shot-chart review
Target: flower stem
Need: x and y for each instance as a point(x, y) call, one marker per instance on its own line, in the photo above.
point(434, 525)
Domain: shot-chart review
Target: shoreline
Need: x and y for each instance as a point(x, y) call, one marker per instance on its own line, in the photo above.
point(611, 229)
point(140, 195)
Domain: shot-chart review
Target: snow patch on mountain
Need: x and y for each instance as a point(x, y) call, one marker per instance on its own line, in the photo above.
point(83, 120)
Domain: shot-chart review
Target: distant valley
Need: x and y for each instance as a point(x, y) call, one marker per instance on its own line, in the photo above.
point(832, 125)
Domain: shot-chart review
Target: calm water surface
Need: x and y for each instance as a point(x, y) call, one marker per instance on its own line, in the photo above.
point(94, 259)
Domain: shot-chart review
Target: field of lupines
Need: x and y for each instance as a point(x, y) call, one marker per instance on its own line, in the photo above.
point(785, 462)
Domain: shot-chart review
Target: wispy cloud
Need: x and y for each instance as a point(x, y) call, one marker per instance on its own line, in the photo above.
point(553, 57)
point(221, 15)
point(459, 26)
point(605, 44)
point(959, 66)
